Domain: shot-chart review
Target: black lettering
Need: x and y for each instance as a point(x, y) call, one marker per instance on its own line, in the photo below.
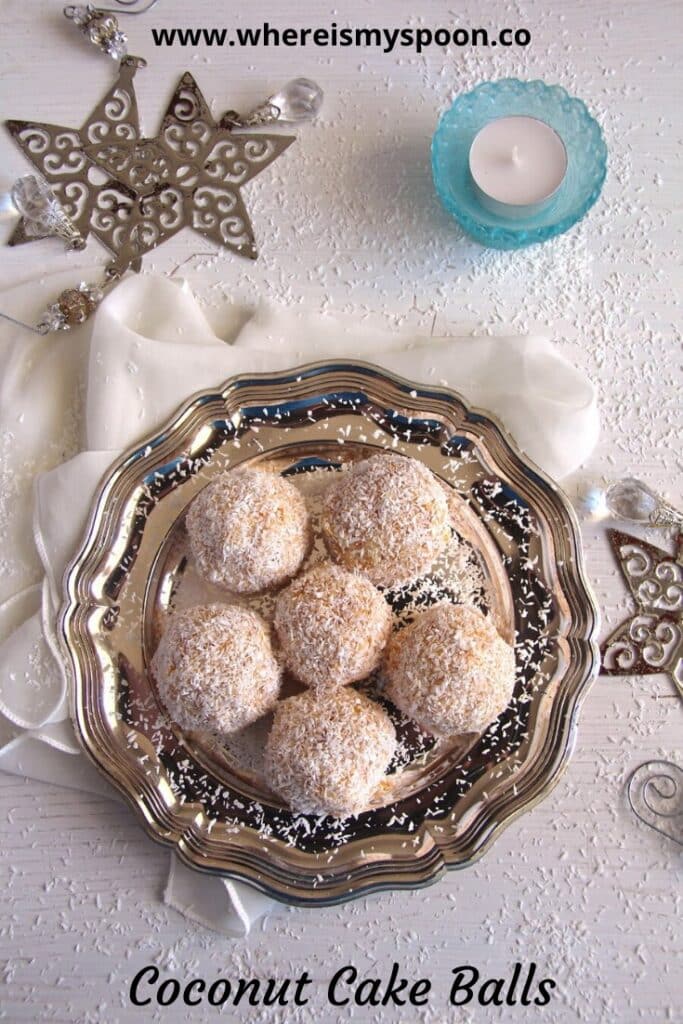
point(419, 993)
point(459, 985)
point(352, 973)
point(270, 997)
point(270, 35)
point(368, 37)
point(522, 36)
point(480, 35)
point(243, 986)
point(188, 35)
point(321, 37)
point(370, 985)
point(299, 998)
point(154, 972)
point(526, 1001)
point(249, 36)
point(461, 37)
point(406, 37)
point(442, 37)
point(290, 37)
point(214, 36)
point(346, 37)
point(394, 987)
point(215, 1000)
point(510, 998)
point(391, 36)
point(173, 987)
point(163, 36)
point(496, 986)
point(505, 37)
point(543, 997)
point(423, 37)
point(305, 33)
point(200, 986)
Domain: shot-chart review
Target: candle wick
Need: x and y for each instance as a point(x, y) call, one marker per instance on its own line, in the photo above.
point(515, 156)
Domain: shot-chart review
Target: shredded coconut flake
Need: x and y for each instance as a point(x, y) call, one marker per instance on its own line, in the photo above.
point(215, 669)
point(450, 671)
point(327, 753)
point(333, 626)
point(388, 518)
point(249, 530)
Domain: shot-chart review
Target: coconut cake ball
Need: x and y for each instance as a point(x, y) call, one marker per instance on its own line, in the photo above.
point(387, 517)
point(450, 671)
point(327, 752)
point(332, 626)
point(215, 669)
point(249, 530)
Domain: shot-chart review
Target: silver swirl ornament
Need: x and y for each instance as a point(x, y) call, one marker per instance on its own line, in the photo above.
point(655, 793)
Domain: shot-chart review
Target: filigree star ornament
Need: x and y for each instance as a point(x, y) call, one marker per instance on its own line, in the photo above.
point(189, 175)
point(90, 198)
point(134, 193)
point(651, 640)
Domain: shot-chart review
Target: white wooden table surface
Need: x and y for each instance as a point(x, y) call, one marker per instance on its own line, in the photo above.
point(348, 223)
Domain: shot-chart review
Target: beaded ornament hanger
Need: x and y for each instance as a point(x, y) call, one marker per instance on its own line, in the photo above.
point(131, 192)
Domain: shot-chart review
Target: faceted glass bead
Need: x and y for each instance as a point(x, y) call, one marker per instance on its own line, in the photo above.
point(101, 28)
point(298, 100)
point(117, 47)
point(78, 13)
point(74, 306)
point(42, 212)
point(53, 319)
point(631, 499)
point(77, 304)
point(95, 294)
point(33, 199)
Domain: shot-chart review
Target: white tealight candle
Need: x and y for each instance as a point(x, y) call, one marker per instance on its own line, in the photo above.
point(517, 164)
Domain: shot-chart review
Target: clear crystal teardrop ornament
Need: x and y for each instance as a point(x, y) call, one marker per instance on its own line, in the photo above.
point(43, 216)
point(298, 100)
point(634, 501)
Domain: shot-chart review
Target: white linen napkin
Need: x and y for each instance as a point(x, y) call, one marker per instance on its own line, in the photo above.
point(151, 347)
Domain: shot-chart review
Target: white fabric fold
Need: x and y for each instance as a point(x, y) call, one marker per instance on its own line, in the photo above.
point(151, 348)
point(67, 489)
point(217, 903)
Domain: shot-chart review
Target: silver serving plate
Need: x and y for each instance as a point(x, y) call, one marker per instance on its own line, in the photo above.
point(516, 553)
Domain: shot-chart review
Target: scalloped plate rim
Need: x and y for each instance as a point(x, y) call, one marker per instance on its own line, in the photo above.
point(439, 862)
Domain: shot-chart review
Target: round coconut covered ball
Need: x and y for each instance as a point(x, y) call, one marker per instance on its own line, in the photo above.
point(332, 626)
point(387, 517)
point(249, 530)
point(327, 752)
point(450, 671)
point(215, 669)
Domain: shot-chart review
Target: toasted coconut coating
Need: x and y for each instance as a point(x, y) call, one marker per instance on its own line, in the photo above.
point(388, 518)
point(450, 671)
point(215, 668)
point(249, 530)
point(327, 752)
point(332, 626)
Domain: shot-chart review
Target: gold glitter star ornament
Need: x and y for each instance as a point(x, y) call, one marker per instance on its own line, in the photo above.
point(134, 193)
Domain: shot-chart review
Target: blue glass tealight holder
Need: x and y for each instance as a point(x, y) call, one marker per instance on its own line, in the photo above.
point(582, 184)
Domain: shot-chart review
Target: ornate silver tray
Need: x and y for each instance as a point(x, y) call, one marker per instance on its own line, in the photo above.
point(516, 553)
